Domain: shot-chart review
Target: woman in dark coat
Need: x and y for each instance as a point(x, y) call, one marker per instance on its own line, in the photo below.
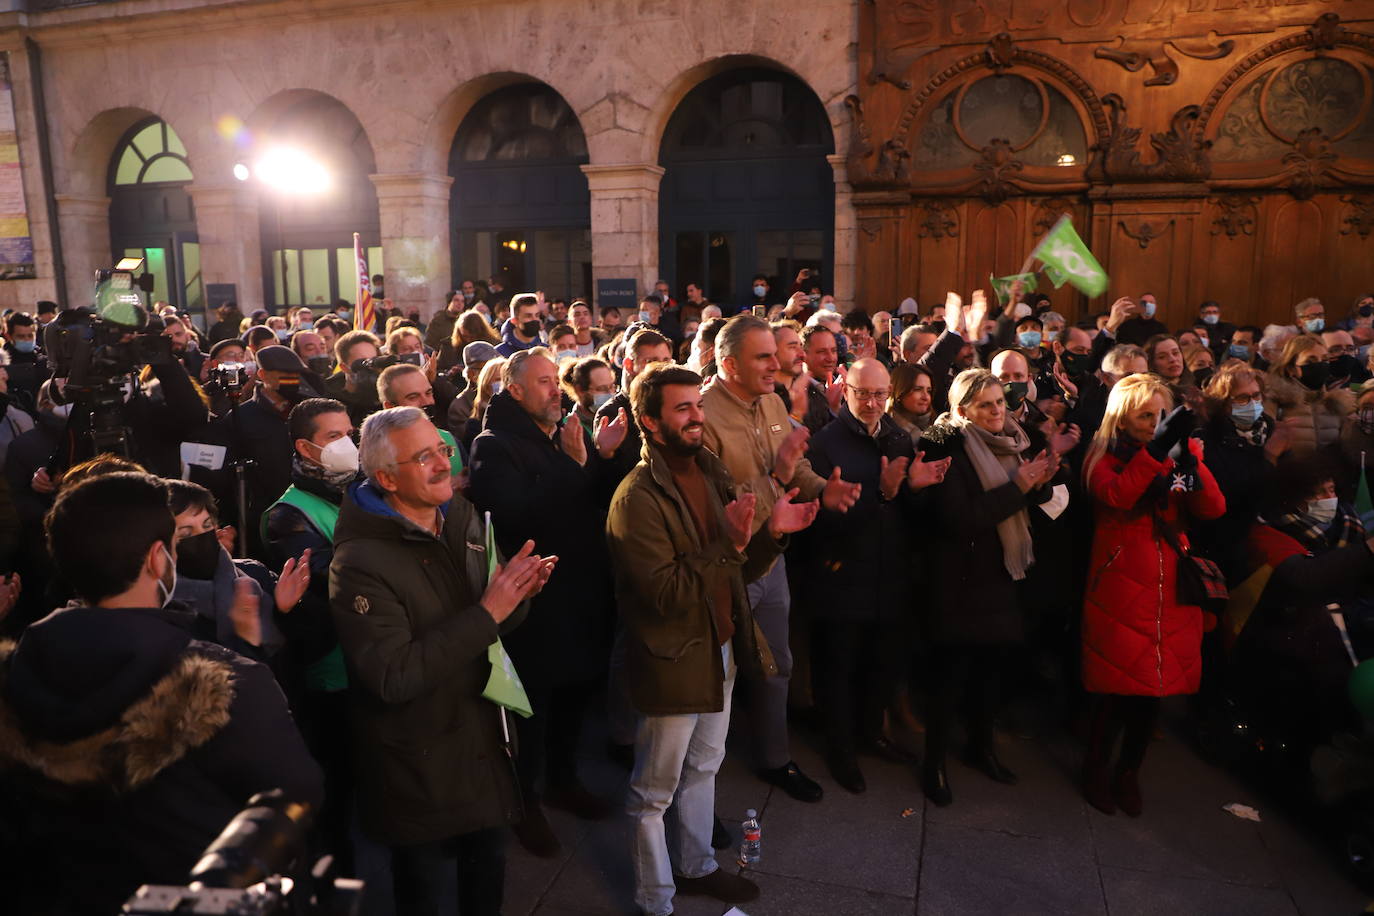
point(981, 549)
point(1140, 641)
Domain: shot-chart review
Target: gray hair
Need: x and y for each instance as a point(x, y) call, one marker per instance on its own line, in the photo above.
point(513, 372)
point(1117, 358)
point(1306, 304)
point(908, 338)
point(731, 337)
point(389, 375)
point(1052, 317)
point(375, 450)
point(1275, 336)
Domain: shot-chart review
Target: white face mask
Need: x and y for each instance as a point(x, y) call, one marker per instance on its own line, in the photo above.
point(1323, 510)
point(339, 456)
point(165, 588)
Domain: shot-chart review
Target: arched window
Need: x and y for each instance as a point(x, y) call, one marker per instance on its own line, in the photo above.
point(520, 205)
point(151, 214)
point(1330, 97)
point(746, 187)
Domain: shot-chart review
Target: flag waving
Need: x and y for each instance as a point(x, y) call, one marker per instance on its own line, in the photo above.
point(364, 316)
point(1068, 260)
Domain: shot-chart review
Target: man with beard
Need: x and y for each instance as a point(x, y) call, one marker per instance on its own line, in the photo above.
point(803, 395)
point(685, 549)
point(184, 346)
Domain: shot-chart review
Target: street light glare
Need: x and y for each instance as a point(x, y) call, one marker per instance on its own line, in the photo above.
point(240, 171)
point(292, 170)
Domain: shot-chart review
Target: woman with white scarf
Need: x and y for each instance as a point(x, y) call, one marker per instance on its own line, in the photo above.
point(980, 541)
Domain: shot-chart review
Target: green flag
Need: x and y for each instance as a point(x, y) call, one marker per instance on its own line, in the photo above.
point(1068, 260)
point(1002, 285)
point(503, 685)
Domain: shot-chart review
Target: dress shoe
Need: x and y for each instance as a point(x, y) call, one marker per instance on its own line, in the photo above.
point(721, 885)
point(720, 837)
point(793, 781)
point(985, 759)
point(935, 783)
point(890, 751)
point(1097, 787)
point(535, 834)
point(1126, 791)
point(622, 755)
point(844, 769)
point(577, 801)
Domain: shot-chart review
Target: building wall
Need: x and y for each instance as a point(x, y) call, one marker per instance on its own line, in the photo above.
point(409, 72)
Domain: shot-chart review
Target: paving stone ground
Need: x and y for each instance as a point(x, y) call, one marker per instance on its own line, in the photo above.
point(1030, 849)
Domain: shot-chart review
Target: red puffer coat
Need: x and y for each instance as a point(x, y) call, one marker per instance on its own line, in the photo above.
point(1137, 638)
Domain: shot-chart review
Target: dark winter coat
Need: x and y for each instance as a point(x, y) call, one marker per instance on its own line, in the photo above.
point(627, 456)
point(665, 582)
point(1245, 477)
point(860, 564)
point(975, 600)
point(429, 758)
point(1138, 639)
point(1322, 412)
point(535, 492)
point(256, 431)
point(125, 747)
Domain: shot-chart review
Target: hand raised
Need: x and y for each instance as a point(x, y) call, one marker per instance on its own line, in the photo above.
point(611, 433)
point(243, 613)
point(789, 453)
point(891, 474)
point(975, 314)
point(839, 495)
point(570, 436)
point(923, 473)
point(1066, 439)
point(292, 583)
point(1032, 473)
point(510, 582)
point(739, 520)
point(1062, 379)
point(789, 517)
point(834, 392)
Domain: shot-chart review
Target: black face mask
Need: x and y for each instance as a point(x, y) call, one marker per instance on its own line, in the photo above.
point(1076, 364)
point(1344, 367)
point(198, 556)
point(1201, 377)
point(1015, 394)
point(1314, 375)
point(530, 328)
point(1366, 310)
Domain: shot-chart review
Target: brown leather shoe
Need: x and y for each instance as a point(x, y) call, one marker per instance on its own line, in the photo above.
point(721, 885)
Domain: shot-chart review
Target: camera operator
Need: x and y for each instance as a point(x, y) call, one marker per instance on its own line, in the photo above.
point(256, 431)
point(184, 344)
point(127, 744)
point(417, 602)
point(223, 388)
point(354, 383)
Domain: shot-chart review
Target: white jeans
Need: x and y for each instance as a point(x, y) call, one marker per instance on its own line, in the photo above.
point(676, 760)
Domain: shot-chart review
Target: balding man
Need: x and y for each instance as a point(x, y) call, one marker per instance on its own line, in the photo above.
point(858, 569)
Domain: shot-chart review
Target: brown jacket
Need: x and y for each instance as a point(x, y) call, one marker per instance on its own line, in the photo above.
point(747, 438)
point(1322, 412)
point(664, 579)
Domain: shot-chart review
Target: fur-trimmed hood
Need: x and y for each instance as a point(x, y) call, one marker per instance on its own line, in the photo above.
point(1288, 393)
point(99, 697)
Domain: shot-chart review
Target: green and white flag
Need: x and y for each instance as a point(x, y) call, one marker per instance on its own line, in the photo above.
point(503, 685)
point(1068, 260)
point(1002, 285)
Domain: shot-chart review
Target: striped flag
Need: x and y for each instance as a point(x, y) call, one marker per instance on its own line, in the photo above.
point(364, 315)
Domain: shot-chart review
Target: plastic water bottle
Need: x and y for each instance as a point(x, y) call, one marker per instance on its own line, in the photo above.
point(751, 850)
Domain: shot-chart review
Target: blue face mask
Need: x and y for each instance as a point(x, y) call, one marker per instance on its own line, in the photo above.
point(600, 400)
point(1314, 325)
point(1149, 309)
point(1210, 319)
point(1246, 415)
point(759, 291)
point(25, 346)
point(644, 316)
point(1028, 339)
point(1239, 351)
point(306, 326)
point(1051, 336)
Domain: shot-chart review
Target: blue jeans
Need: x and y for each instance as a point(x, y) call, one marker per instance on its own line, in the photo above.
point(676, 760)
point(766, 704)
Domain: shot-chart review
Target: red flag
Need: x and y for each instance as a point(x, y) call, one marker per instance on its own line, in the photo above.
point(364, 315)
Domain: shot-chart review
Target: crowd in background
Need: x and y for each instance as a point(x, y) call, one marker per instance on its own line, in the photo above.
point(320, 545)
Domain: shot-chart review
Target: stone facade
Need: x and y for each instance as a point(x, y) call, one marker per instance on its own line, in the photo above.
point(409, 72)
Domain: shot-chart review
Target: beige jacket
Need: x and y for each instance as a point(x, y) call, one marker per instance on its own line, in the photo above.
point(746, 437)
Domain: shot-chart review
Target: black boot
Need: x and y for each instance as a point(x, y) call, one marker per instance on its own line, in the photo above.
point(983, 756)
point(1097, 779)
point(935, 782)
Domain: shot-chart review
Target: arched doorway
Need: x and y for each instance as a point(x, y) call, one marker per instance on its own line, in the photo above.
point(307, 233)
point(520, 207)
point(746, 187)
point(151, 214)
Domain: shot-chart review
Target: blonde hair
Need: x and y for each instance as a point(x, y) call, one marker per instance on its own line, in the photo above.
point(1128, 395)
point(966, 386)
point(1296, 346)
point(472, 326)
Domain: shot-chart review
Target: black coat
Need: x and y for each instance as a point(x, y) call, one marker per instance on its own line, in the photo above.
point(535, 492)
point(125, 746)
point(1245, 477)
point(975, 598)
point(860, 565)
point(627, 456)
point(429, 759)
point(255, 431)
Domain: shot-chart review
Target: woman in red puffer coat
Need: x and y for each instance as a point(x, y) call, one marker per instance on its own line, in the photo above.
point(1139, 642)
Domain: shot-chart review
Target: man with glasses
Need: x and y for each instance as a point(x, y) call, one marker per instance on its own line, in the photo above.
point(1311, 316)
point(418, 601)
point(534, 471)
point(1340, 352)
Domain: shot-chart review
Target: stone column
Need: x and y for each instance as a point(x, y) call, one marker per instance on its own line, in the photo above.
point(846, 238)
point(85, 226)
point(230, 241)
point(415, 238)
point(625, 222)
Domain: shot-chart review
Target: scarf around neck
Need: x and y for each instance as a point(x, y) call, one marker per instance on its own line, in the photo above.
point(995, 458)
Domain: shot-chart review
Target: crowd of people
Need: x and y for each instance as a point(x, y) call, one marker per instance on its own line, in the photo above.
point(393, 571)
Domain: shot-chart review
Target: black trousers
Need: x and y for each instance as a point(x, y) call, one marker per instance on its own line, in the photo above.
point(417, 874)
point(549, 738)
point(324, 724)
point(855, 666)
point(1133, 718)
point(973, 673)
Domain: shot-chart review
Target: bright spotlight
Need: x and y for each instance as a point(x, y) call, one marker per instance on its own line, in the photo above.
point(240, 171)
point(292, 171)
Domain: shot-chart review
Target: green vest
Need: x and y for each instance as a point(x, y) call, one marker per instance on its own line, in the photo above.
point(327, 675)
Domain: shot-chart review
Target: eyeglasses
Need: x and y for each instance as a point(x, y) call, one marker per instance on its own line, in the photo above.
point(1340, 350)
point(864, 394)
point(1247, 399)
point(428, 456)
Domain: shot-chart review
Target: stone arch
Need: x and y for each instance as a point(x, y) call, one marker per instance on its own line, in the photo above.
point(678, 88)
point(270, 113)
point(89, 157)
